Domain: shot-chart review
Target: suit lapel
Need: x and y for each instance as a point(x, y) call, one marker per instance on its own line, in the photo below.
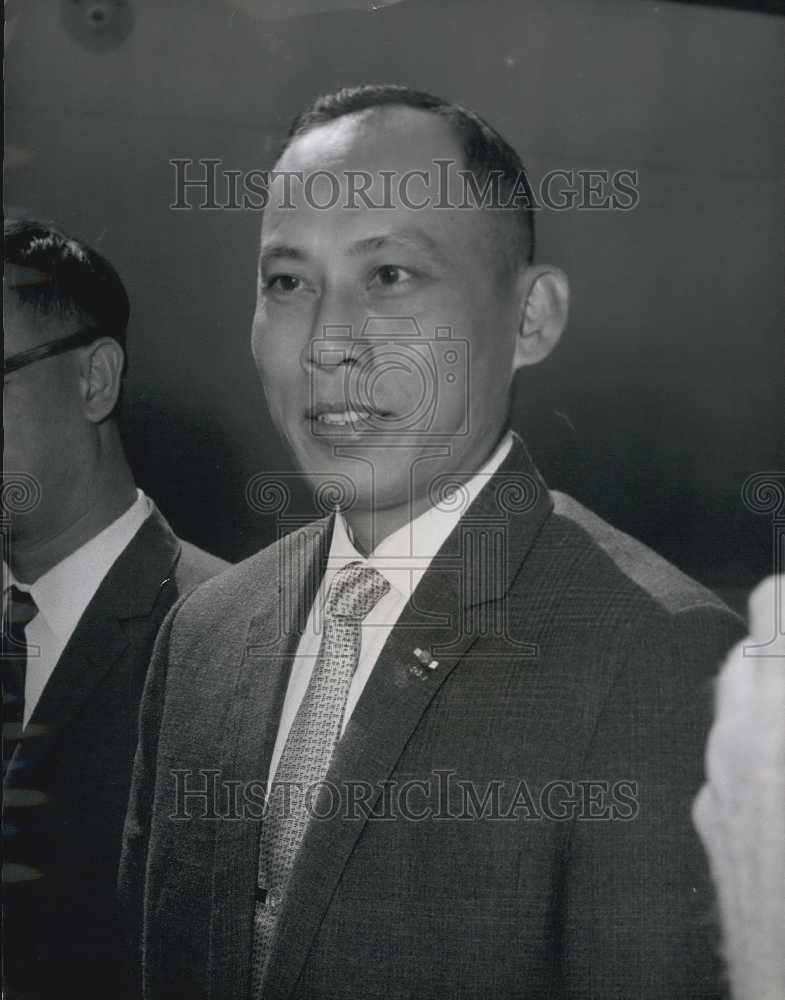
point(392, 703)
point(262, 671)
point(128, 591)
point(457, 602)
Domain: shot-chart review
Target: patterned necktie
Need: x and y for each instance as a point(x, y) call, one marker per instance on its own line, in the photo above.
point(354, 592)
point(20, 609)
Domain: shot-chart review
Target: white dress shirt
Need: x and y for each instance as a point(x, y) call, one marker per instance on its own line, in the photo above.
point(63, 593)
point(403, 559)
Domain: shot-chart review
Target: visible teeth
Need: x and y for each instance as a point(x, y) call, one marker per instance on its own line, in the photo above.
point(341, 419)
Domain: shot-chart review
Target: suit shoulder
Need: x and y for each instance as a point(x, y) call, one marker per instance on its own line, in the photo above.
point(195, 565)
point(236, 589)
point(616, 564)
point(628, 608)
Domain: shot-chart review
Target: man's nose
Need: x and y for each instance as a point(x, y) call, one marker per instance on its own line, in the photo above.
point(335, 336)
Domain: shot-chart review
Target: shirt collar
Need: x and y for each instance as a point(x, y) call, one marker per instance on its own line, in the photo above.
point(404, 556)
point(63, 593)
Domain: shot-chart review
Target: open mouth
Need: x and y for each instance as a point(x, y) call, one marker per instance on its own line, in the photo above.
point(341, 415)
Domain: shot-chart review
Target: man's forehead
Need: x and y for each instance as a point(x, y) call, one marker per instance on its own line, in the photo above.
point(389, 170)
point(385, 162)
point(390, 138)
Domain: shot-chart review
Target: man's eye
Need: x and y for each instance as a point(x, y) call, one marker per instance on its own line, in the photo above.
point(282, 283)
point(391, 274)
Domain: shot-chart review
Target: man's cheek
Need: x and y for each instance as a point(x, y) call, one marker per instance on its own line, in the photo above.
point(281, 400)
point(274, 357)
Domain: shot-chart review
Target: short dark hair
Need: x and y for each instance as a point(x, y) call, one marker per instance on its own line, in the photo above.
point(69, 278)
point(486, 153)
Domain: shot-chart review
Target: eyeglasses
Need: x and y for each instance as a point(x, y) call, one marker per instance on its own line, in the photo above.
point(81, 338)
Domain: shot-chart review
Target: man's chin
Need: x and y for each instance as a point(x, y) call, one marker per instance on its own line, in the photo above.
point(372, 474)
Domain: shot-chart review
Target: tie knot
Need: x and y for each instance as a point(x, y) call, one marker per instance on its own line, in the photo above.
point(355, 590)
point(21, 608)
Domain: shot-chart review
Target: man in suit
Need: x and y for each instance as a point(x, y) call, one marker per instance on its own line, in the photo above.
point(90, 570)
point(477, 711)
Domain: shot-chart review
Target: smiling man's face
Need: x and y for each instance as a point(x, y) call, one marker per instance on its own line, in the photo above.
point(384, 337)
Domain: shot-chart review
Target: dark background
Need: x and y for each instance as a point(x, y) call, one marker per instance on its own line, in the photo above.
point(666, 392)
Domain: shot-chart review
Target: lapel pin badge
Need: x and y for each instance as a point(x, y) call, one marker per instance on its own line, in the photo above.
point(424, 656)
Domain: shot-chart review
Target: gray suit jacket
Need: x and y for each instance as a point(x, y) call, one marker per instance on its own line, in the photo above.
point(62, 932)
point(530, 834)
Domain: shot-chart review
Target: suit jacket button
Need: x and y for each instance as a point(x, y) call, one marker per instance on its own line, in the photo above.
point(273, 900)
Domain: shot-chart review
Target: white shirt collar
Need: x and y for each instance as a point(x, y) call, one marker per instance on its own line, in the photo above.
point(63, 593)
point(404, 556)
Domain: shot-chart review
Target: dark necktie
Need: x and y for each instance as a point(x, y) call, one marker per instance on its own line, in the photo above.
point(19, 611)
point(316, 729)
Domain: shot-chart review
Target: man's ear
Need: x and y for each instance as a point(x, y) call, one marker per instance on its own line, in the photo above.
point(101, 373)
point(544, 296)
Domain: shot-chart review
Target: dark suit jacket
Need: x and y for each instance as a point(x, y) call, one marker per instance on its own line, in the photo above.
point(568, 653)
point(62, 934)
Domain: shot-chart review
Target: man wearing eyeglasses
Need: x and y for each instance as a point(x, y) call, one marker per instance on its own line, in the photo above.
point(90, 569)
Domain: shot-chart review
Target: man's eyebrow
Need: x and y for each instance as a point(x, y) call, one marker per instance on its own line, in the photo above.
point(279, 251)
point(407, 238)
